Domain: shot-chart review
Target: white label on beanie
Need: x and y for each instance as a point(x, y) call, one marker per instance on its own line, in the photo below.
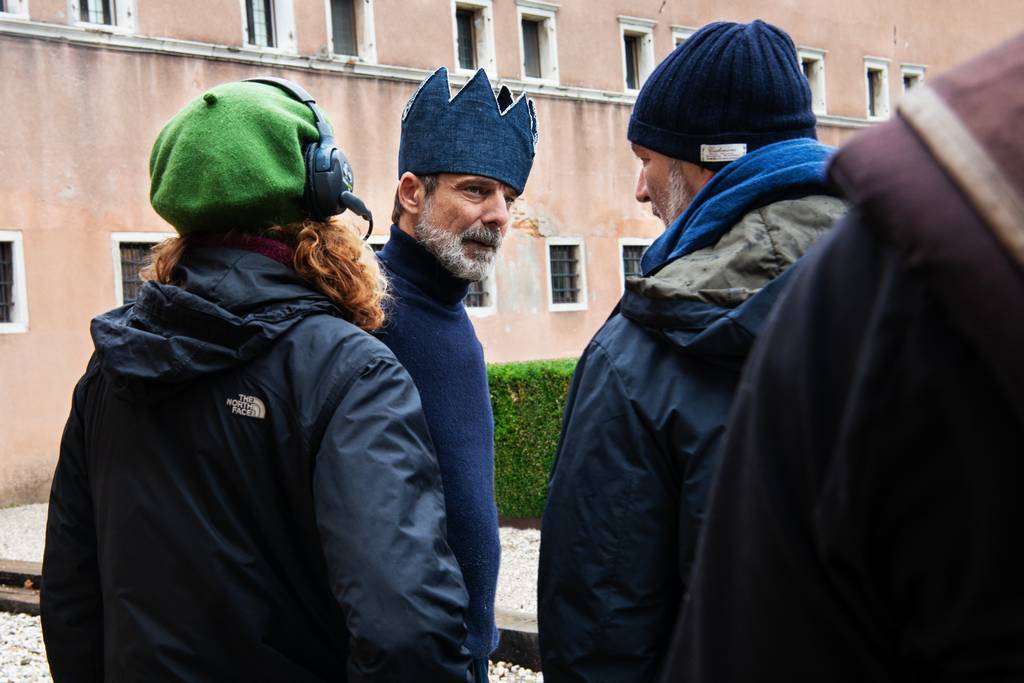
point(713, 153)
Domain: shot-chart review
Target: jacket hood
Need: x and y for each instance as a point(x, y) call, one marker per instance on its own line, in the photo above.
point(231, 306)
point(701, 328)
point(714, 301)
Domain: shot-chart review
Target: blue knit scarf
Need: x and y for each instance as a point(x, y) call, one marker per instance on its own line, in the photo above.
point(734, 191)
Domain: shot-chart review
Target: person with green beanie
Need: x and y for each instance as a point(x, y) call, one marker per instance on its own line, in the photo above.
point(246, 487)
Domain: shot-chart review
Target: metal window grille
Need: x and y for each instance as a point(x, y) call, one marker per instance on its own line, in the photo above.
point(96, 11)
point(531, 48)
point(260, 14)
point(6, 282)
point(632, 47)
point(478, 296)
point(343, 25)
point(467, 39)
point(631, 255)
point(134, 257)
point(565, 275)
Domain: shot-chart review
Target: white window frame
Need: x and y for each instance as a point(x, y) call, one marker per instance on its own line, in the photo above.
point(877, 64)
point(483, 30)
point(116, 239)
point(916, 71)
point(681, 34)
point(819, 101)
point(284, 28)
point(544, 14)
point(643, 29)
point(492, 296)
point(16, 9)
point(366, 37)
point(124, 16)
point(580, 305)
point(629, 242)
point(19, 291)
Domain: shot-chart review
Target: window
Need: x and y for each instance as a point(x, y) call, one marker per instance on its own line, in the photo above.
point(269, 24)
point(474, 36)
point(117, 14)
point(18, 8)
point(352, 30)
point(876, 74)
point(537, 40)
point(95, 12)
point(480, 298)
point(259, 16)
point(812, 62)
point(343, 27)
point(6, 281)
point(913, 76)
point(632, 251)
point(13, 301)
point(377, 242)
point(681, 34)
point(637, 50)
point(566, 274)
point(132, 253)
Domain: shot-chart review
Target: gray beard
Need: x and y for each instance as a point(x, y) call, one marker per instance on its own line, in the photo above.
point(450, 249)
point(680, 196)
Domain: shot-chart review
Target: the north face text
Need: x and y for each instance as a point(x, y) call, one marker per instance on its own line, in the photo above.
point(250, 406)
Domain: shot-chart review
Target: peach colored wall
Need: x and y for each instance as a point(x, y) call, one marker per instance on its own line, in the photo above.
point(221, 21)
point(79, 122)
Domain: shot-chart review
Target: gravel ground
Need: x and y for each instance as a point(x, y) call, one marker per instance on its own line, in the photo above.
point(22, 658)
point(21, 533)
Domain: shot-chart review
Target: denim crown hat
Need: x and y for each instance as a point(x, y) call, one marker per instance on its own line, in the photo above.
point(726, 91)
point(475, 132)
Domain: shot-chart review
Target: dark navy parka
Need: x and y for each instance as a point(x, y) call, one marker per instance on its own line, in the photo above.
point(246, 490)
point(645, 416)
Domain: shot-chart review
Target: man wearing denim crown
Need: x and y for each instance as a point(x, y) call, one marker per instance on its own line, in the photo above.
point(725, 137)
point(462, 161)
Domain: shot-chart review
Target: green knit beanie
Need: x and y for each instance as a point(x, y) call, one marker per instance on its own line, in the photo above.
point(232, 159)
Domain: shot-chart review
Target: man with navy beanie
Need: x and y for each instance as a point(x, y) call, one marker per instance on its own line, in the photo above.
point(462, 161)
point(725, 135)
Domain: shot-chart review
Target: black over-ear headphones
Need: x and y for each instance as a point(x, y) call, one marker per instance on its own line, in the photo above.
point(328, 188)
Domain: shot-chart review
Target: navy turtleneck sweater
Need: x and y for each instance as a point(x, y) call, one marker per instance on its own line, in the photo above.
point(429, 331)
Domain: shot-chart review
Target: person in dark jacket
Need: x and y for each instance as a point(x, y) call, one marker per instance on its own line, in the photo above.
point(246, 487)
point(461, 163)
point(726, 138)
point(866, 520)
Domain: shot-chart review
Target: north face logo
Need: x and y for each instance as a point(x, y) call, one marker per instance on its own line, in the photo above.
point(250, 406)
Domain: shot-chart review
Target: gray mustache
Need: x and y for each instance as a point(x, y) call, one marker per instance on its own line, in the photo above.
point(491, 238)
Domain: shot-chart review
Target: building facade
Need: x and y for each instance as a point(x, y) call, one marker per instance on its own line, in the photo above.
point(87, 84)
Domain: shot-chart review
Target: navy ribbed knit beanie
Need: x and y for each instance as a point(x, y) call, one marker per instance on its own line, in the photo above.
point(728, 90)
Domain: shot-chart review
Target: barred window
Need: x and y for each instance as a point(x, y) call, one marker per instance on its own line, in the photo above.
point(478, 295)
point(134, 257)
point(343, 26)
point(260, 19)
point(631, 256)
point(565, 273)
point(96, 11)
point(6, 282)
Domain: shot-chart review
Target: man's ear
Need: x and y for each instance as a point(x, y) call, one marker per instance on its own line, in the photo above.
point(411, 194)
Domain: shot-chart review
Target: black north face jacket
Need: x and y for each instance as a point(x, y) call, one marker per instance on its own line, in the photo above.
point(246, 491)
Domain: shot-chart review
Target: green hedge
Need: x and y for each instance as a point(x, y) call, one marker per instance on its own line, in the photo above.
point(528, 399)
